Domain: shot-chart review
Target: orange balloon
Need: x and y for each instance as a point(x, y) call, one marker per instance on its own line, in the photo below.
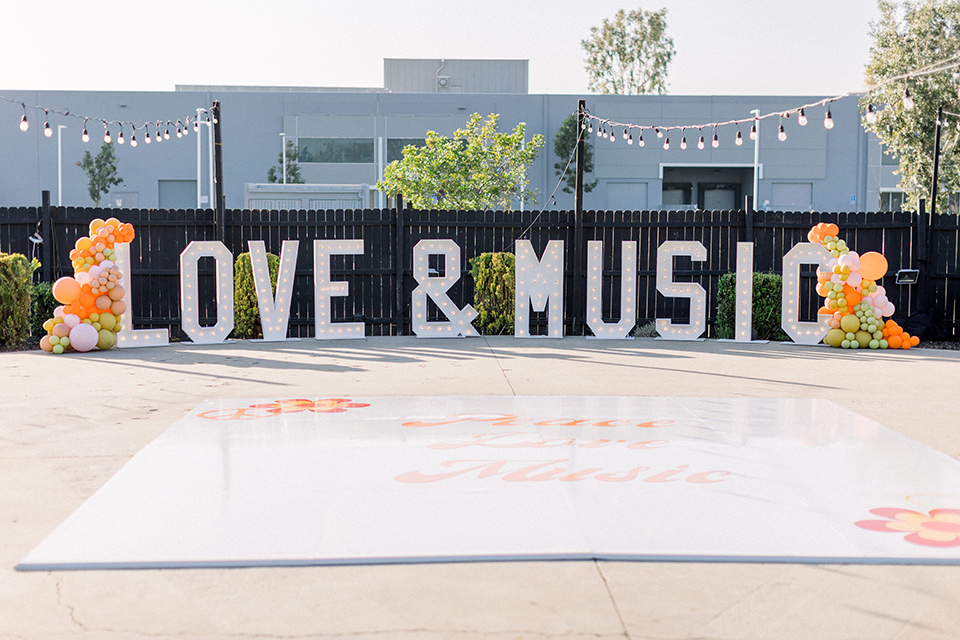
point(873, 265)
point(87, 299)
point(831, 229)
point(66, 290)
point(853, 297)
point(814, 235)
point(914, 340)
point(894, 342)
point(825, 311)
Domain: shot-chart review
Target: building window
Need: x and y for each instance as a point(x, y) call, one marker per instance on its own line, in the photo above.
point(891, 200)
point(888, 159)
point(395, 146)
point(340, 150)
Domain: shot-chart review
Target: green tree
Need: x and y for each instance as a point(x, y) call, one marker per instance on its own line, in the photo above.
point(563, 145)
point(275, 174)
point(477, 168)
point(630, 54)
point(927, 32)
point(102, 171)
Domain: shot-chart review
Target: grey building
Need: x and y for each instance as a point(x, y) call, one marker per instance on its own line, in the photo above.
point(347, 135)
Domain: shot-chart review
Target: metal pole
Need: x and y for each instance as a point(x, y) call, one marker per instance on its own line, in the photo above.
point(60, 128)
point(756, 160)
point(218, 171)
point(213, 203)
point(283, 154)
point(579, 292)
point(936, 162)
point(46, 231)
point(581, 152)
point(199, 182)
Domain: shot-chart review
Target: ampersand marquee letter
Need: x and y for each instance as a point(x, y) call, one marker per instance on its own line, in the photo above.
point(435, 287)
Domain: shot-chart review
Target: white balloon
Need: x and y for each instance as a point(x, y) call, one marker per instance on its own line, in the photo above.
point(83, 277)
point(854, 279)
point(106, 264)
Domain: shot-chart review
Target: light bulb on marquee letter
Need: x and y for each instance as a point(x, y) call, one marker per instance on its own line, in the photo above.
point(459, 320)
point(802, 332)
point(189, 280)
point(128, 336)
point(628, 290)
point(538, 282)
point(324, 289)
point(671, 289)
point(274, 310)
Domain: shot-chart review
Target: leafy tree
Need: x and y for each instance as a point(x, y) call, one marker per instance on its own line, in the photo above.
point(102, 171)
point(275, 174)
point(477, 168)
point(564, 144)
point(927, 32)
point(630, 54)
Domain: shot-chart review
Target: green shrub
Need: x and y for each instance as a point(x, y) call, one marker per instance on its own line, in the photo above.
point(16, 273)
point(493, 277)
point(42, 305)
point(767, 294)
point(246, 311)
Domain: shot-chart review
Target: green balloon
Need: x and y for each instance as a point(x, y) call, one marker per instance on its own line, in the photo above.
point(57, 348)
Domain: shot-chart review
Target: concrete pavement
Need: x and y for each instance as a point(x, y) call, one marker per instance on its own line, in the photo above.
point(73, 421)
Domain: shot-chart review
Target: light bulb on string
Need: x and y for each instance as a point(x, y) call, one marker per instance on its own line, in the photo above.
point(871, 114)
point(120, 135)
point(666, 143)
point(739, 139)
point(157, 136)
point(700, 143)
point(196, 125)
point(146, 133)
point(106, 134)
point(613, 137)
point(47, 131)
point(753, 130)
point(781, 134)
point(659, 133)
point(590, 126)
point(24, 125)
point(133, 138)
point(716, 141)
point(802, 118)
point(828, 120)
point(683, 142)
point(186, 128)
point(85, 136)
point(640, 141)
point(907, 99)
point(625, 135)
point(179, 130)
point(630, 139)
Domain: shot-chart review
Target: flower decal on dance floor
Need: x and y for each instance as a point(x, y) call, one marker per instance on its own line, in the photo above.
point(939, 528)
point(277, 407)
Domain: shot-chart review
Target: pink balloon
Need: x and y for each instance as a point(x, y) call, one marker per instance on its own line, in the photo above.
point(84, 337)
point(71, 320)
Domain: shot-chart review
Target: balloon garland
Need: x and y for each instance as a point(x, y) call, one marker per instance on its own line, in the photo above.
point(853, 299)
point(92, 300)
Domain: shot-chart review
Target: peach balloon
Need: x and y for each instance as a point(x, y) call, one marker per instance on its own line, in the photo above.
point(118, 307)
point(66, 290)
point(873, 265)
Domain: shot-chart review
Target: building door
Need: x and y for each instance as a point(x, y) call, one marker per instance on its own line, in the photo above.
point(718, 197)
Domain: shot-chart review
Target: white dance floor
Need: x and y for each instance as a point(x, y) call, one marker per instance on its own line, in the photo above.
point(376, 480)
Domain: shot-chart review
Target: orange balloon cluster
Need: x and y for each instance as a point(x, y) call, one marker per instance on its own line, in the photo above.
point(92, 300)
point(853, 299)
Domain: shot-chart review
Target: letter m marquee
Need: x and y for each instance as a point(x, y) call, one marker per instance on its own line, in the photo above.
point(539, 282)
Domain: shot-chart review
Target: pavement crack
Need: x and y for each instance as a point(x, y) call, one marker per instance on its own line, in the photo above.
point(613, 601)
point(60, 601)
point(500, 365)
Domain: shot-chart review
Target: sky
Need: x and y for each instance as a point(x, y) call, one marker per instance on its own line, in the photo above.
point(768, 47)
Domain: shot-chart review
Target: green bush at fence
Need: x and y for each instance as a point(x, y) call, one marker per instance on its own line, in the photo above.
point(767, 293)
point(493, 277)
point(246, 311)
point(16, 273)
point(42, 306)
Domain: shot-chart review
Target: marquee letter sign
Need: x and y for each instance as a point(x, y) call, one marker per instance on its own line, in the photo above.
point(671, 289)
point(189, 291)
point(802, 332)
point(435, 287)
point(628, 290)
point(743, 318)
point(128, 336)
point(324, 289)
point(274, 310)
point(539, 282)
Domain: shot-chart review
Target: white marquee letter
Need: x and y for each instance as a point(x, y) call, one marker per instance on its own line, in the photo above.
point(324, 289)
point(628, 290)
point(671, 289)
point(274, 312)
point(537, 282)
point(743, 318)
point(436, 287)
point(127, 336)
point(801, 332)
point(190, 312)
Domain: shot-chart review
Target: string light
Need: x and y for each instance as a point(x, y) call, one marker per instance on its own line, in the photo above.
point(907, 99)
point(753, 131)
point(716, 141)
point(179, 130)
point(120, 135)
point(157, 136)
point(802, 118)
point(47, 131)
point(146, 134)
point(659, 133)
point(739, 140)
point(166, 131)
point(24, 125)
point(683, 140)
point(133, 138)
point(781, 134)
point(640, 142)
point(186, 127)
point(666, 143)
point(700, 144)
point(106, 134)
point(871, 114)
point(85, 136)
point(828, 120)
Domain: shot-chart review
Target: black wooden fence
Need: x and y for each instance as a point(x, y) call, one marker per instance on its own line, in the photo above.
point(381, 280)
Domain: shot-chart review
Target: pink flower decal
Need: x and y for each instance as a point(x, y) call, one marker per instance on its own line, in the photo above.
point(939, 528)
point(327, 405)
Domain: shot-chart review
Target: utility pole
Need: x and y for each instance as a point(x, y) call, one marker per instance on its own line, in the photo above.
point(936, 162)
point(218, 170)
point(579, 291)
